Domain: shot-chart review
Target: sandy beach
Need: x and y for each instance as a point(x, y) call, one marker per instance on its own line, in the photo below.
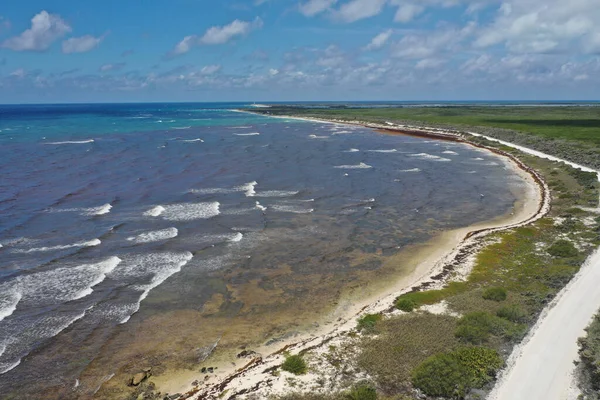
point(450, 254)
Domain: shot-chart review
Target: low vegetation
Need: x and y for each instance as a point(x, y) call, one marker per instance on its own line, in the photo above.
point(405, 305)
point(454, 374)
point(589, 351)
point(295, 364)
point(495, 294)
point(563, 248)
point(513, 313)
point(478, 326)
point(368, 322)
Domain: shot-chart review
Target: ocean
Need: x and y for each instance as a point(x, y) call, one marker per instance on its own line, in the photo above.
point(134, 234)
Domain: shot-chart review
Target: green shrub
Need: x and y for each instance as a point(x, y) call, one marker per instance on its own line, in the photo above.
point(406, 305)
point(563, 248)
point(513, 313)
point(295, 365)
point(454, 374)
point(495, 294)
point(585, 179)
point(368, 322)
point(589, 350)
point(362, 392)
point(476, 327)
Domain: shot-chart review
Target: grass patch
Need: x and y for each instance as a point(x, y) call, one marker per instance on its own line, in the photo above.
point(295, 365)
point(406, 305)
point(362, 392)
point(477, 327)
point(454, 374)
point(403, 343)
point(368, 322)
point(563, 248)
point(495, 294)
point(589, 351)
point(513, 313)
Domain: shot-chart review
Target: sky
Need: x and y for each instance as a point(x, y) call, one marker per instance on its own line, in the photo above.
point(298, 50)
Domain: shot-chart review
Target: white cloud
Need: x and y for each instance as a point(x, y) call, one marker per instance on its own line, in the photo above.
point(45, 29)
point(185, 45)
point(543, 26)
point(359, 9)
point(314, 7)
point(19, 73)
point(4, 23)
point(210, 69)
point(380, 40)
point(273, 72)
point(407, 12)
point(216, 35)
point(223, 34)
point(112, 67)
point(432, 44)
point(429, 63)
point(81, 44)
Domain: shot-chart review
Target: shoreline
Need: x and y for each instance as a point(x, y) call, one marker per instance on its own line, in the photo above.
point(447, 253)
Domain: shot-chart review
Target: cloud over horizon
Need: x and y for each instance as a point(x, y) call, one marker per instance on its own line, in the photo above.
point(334, 48)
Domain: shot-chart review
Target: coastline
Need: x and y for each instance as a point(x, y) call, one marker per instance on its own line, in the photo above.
point(450, 253)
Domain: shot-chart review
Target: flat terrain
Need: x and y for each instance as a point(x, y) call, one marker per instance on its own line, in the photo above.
point(573, 123)
point(568, 132)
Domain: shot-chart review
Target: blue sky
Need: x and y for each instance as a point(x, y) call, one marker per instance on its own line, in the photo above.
point(286, 50)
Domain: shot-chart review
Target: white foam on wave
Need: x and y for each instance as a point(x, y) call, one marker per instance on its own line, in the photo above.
point(240, 127)
point(45, 327)
point(73, 142)
point(450, 152)
point(157, 267)
point(237, 237)
point(213, 191)
point(359, 166)
point(425, 156)
point(155, 212)
point(8, 302)
point(292, 209)
point(276, 193)
point(411, 170)
point(53, 287)
point(90, 211)
point(352, 151)
point(383, 151)
point(105, 209)
point(155, 236)
point(193, 140)
point(260, 207)
point(6, 367)
point(340, 132)
point(248, 134)
point(478, 159)
point(182, 127)
point(89, 243)
point(248, 188)
point(318, 137)
point(189, 211)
